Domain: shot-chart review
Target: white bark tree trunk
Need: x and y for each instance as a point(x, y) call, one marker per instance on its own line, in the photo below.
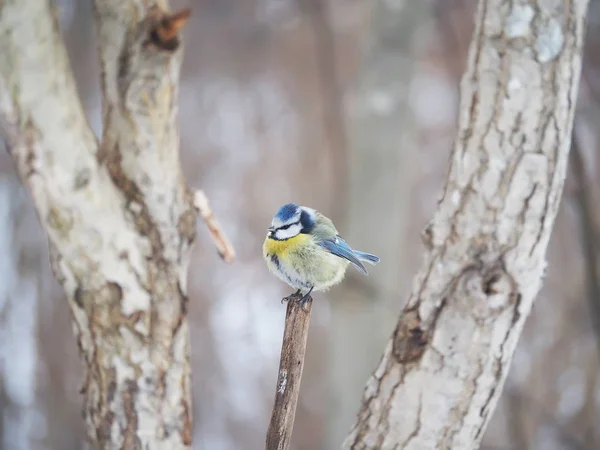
point(443, 369)
point(119, 217)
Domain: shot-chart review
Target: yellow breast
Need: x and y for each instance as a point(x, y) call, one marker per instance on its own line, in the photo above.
point(281, 248)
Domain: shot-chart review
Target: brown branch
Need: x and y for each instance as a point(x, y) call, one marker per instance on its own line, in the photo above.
point(203, 209)
point(291, 363)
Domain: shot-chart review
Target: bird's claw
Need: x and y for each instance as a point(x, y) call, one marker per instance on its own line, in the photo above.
point(302, 300)
point(305, 300)
point(293, 296)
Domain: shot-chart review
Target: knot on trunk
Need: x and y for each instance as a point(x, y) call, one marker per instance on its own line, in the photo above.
point(410, 338)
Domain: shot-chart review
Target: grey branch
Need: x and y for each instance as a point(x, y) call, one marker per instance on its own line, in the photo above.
point(291, 363)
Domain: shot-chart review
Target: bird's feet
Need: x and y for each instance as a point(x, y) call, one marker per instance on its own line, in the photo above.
point(302, 300)
point(295, 296)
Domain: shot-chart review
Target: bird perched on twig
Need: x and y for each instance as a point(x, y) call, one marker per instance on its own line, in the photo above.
point(304, 250)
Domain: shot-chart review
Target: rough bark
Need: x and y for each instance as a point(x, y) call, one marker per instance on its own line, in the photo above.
point(444, 368)
point(119, 218)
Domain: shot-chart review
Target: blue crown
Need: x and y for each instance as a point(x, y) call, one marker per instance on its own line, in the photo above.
point(286, 212)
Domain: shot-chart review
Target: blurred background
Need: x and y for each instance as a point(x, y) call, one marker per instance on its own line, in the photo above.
point(348, 106)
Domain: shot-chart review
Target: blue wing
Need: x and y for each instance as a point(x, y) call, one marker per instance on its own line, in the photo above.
point(339, 247)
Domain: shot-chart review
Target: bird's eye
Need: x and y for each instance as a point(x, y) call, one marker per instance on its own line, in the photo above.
point(285, 227)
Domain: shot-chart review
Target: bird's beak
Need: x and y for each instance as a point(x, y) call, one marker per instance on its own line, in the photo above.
point(270, 231)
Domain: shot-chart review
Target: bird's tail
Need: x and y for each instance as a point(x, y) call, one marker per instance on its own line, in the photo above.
point(367, 257)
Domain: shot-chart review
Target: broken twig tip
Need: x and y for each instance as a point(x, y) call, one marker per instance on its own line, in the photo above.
point(203, 209)
point(164, 34)
point(176, 21)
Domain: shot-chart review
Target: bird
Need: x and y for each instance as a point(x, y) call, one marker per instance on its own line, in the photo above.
point(303, 248)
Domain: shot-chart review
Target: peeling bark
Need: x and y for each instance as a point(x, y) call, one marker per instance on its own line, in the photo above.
point(443, 370)
point(119, 217)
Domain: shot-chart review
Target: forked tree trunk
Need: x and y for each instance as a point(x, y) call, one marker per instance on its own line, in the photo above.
point(443, 369)
point(119, 217)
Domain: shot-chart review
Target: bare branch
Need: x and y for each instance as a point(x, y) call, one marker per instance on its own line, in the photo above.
point(204, 210)
point(291, 363)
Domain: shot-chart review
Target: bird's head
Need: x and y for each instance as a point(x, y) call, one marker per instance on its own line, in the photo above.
point(291, 220)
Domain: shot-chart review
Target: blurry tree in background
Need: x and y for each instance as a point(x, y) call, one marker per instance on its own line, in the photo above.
point(258, 83)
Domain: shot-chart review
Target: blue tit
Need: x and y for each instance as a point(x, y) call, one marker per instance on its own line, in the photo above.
point(304, 249)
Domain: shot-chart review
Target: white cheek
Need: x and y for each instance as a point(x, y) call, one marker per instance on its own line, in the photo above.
point(289, 233)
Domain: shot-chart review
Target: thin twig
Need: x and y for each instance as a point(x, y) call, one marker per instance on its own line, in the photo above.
point(291, 364)
point(203, 209)
point(165, 31)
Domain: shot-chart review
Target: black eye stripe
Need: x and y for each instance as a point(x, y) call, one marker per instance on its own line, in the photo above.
point(285, 227)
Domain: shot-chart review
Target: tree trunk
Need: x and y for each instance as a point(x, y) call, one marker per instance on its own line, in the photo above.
point(443, 369)
point(119, 218)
